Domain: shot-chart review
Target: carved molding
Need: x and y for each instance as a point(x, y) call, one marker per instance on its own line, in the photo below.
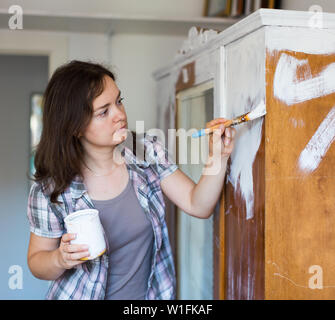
point(196, 39)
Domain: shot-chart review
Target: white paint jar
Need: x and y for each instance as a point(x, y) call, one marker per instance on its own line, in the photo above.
point(87, 225)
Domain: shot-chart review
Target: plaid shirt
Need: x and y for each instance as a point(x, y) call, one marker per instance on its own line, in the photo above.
point(88, 280)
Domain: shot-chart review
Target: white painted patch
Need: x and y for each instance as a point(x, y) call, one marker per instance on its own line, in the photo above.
point(245, 89)
point(247, 142)
point(297, 123)
point(294, 122)
point(290, 90)
point(185, 75)
point(311, 157)
point(308, 40)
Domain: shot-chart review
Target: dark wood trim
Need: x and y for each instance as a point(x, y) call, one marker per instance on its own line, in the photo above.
point(187, 83)
point(217, 251)
point(244, 239)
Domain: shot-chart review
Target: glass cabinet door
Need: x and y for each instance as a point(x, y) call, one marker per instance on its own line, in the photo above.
point(194, 236)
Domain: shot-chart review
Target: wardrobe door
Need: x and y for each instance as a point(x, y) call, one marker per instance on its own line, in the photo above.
point(195, 236)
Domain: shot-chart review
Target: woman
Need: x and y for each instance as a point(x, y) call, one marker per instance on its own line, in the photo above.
point(79, 165)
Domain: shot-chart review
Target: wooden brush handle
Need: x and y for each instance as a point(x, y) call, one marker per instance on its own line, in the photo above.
point(227, 124)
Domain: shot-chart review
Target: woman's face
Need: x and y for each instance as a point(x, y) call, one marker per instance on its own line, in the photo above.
point(108, 125)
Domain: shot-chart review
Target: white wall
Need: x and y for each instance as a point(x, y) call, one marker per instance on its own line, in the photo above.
point(61, 46)
point(88, 46)
point(304, 5)
point(134, 58)
point(158, 8)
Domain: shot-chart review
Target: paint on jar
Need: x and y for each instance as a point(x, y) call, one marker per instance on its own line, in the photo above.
point(87, 225)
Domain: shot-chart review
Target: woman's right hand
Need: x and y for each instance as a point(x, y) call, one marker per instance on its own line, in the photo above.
point(69, 255)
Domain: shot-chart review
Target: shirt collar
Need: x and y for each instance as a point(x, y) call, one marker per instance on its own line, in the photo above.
point(77, 186)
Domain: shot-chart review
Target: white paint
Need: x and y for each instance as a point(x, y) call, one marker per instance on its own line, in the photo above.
point(185, 75)
point(316, 149)
point(245, 87)
point(247, 143)
point(290, 90)
point(308, 40)
point(195, 40)
point(294, 122)
point(297, 123)
point(258, 112)
point(285, 30)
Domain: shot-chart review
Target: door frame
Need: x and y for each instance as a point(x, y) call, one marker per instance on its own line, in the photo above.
point(22, 42)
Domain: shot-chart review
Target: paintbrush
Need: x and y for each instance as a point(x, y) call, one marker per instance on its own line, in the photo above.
point(258, 112)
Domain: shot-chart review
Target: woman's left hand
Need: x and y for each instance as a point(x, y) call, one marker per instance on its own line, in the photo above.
point(221, 141)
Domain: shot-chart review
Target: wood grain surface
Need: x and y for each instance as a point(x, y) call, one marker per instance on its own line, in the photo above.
point(244, 239)
point(299, 207)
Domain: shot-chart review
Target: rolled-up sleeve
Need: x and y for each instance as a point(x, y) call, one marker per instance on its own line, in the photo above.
point(43, 222)
point(163, 162)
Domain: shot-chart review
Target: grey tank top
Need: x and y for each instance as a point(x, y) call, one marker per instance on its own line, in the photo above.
point(130, 245)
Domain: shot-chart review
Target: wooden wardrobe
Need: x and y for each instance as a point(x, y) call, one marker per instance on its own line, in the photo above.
point(272, 235)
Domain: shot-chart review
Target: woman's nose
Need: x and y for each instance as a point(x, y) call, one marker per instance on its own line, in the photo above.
point(118, 114)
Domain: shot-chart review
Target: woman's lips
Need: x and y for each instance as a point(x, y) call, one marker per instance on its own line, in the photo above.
point(123, 126)
point(121, 133)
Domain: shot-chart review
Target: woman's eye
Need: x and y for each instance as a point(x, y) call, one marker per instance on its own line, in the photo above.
point(103, 113)
point(120, 101)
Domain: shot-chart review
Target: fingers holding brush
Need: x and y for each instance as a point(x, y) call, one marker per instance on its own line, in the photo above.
point(215, 122)
point(228, 141)
point(224, 140)
point(221, 139)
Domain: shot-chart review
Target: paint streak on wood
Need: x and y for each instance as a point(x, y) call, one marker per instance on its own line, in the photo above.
point(244, 238)
point(186, 77)
point(300, 220)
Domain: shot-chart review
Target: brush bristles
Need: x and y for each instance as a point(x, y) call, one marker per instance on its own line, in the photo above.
point(259, 111)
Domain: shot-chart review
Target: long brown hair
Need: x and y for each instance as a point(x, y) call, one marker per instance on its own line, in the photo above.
point(67, 110)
